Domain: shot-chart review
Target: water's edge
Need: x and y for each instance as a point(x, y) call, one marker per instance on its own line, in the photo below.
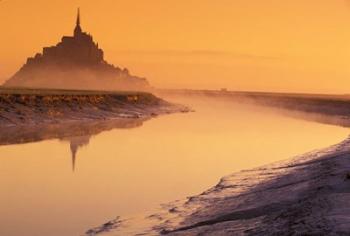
point(304, 195)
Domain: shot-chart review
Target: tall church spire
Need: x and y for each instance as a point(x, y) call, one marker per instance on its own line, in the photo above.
point(77, 30)
point(78, 17)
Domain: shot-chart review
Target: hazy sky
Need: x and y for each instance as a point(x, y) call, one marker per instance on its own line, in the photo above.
point(275, 45)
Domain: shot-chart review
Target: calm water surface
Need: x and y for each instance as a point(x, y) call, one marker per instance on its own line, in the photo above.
point(66, 186)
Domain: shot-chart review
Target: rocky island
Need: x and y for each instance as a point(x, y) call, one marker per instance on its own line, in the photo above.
point(71, 82)
point(76, 62)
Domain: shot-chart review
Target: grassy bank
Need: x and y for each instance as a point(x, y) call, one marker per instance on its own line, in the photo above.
point(41, 106)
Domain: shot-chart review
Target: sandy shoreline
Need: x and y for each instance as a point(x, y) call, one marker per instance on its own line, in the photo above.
point(306, 195)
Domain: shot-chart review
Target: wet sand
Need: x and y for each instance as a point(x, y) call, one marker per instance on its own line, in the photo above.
point(306, 195)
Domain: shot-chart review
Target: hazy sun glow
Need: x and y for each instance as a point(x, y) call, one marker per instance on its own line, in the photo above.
point(241, 45)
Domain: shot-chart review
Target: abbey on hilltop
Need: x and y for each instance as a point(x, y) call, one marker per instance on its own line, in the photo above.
point(76, 62)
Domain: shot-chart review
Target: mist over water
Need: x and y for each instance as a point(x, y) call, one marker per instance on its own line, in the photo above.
point(77, 78)
point(132, 171)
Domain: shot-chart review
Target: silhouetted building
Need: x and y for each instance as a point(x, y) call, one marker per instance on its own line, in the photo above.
point(76, 62)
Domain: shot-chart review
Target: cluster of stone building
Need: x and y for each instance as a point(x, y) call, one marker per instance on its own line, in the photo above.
point(77, 52)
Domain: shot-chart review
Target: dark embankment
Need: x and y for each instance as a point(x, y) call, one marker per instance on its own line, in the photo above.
point(23, 107)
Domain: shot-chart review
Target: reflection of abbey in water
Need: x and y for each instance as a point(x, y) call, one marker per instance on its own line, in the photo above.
point(77, 134)
point(75, 144)
point(76, 62)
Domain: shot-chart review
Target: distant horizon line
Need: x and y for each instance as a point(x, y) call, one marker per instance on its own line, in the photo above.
point(223, 90)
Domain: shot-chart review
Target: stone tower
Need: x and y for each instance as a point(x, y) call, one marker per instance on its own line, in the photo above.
point(77, 30)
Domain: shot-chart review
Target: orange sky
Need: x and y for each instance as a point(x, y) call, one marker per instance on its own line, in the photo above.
point(290, 45)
